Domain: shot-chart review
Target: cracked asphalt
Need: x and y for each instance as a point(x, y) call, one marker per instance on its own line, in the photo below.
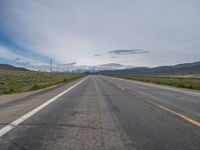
point(104, 113)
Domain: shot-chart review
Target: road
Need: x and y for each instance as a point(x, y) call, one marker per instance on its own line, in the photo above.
point(103, 113)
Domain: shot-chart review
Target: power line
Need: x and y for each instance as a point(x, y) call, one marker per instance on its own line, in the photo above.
point(50, 64)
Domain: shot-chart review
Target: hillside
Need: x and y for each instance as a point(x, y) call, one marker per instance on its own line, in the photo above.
point(9, 67)
point(14, 81)
point(180, 69)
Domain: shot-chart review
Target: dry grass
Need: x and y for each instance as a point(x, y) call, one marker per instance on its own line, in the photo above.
point(22, 81)
point(188, 83)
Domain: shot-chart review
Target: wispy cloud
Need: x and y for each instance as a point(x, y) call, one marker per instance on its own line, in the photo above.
point(7, 53)
point(22, 62)
point(29, 62)
point(97, 55)
point(115, 57)
point(67, 64)
point(128, 52)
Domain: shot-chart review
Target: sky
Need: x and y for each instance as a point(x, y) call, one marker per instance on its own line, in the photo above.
point(93, 32)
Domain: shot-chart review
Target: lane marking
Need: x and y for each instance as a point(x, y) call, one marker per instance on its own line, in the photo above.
point(15, 123)
point(197, 123)
point(161, 86)
point(121, 87)
point(186, 118)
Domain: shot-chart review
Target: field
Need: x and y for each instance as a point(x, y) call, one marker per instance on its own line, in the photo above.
point(182, 82)
point(22, 81)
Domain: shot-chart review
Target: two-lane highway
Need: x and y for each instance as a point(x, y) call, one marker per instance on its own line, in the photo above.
point(101, 112)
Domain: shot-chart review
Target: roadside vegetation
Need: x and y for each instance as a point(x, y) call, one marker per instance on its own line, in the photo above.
point(22, 81)
point(181, 82)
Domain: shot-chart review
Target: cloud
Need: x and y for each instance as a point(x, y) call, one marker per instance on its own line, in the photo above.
point(7, 53)
point(97, 55)
point(34, 64)
point(71, 64)
point(29, 62)
point(67, 64)
point(22, 62)
point(115, 57)
point(128, 52)
point(73, 30)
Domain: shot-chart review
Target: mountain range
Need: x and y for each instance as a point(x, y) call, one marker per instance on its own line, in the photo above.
point(94, 69)
point(114, 68)
point(72, 69)
point(181, 69)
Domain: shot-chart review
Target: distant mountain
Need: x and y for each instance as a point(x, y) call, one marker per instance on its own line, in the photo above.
point(94, 69)
point(187, 68)
point(10, 67)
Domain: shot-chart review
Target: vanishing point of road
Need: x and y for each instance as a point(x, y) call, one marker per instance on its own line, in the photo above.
point(102, 113)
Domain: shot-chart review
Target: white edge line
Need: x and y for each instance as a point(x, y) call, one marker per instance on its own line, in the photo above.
point(15, 123)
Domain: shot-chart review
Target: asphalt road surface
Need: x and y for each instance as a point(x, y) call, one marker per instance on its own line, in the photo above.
point(102, 113)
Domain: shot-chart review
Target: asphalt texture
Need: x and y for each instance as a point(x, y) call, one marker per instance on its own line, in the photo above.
point(105, 113)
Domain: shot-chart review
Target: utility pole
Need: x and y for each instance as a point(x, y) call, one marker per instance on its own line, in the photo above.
point(67, 71)
point(50, 65)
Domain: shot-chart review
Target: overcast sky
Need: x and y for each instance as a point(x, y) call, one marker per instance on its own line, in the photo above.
point(92, 32)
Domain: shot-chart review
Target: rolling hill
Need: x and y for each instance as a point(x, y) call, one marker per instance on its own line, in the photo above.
point(180, 69)
point(10, 67)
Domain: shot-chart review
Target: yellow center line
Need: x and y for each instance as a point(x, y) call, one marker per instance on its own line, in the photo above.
point(197, 123)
